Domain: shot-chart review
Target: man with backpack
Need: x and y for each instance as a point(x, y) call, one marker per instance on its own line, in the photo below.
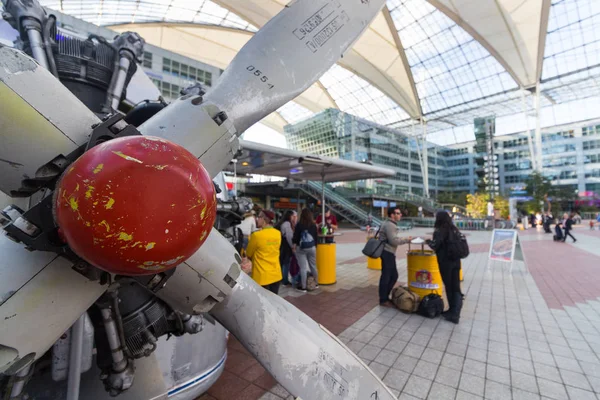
point(388, 233)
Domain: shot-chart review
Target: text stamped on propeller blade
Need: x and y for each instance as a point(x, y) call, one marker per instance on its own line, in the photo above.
point(329, 18)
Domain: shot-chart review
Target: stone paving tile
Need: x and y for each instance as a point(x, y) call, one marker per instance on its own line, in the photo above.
point(417, 387)
point(441, 392)
point(472, 384)
point(497, 391)
point(521, 336)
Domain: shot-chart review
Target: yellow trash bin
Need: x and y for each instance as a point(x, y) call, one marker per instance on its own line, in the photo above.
point(374, 263)
point(326, 263)
point(423, 273)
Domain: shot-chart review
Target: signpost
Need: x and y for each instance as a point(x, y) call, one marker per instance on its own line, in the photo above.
point(506, 246)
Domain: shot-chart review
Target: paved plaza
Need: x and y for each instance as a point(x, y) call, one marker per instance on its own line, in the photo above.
point(532, 332)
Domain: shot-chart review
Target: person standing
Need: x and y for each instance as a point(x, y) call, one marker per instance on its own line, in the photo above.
point(263, 250)
point(305, 247)
point(569, 226)
point(247, 226)
point(330, 220)
point(388, 233)
point(444, 229)
point(286, 226)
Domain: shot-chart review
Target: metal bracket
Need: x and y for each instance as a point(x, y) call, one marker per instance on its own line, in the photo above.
point(36, 228)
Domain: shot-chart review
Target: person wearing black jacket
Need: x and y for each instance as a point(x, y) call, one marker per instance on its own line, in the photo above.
point(305, 247)
point(568, 226)
point(444, 230)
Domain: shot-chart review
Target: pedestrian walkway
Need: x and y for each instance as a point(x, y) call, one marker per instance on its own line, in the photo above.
point(522, 335)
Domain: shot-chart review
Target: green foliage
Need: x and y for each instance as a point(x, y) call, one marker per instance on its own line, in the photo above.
point(538, 187)
point(501, 204)
point(458, 198)
point(477, 205)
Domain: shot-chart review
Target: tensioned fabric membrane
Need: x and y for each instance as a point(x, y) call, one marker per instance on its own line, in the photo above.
point(445, 61)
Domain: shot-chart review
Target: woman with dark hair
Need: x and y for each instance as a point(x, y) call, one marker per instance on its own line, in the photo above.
point(286, 226)
point(305, 247)
point(444, 231)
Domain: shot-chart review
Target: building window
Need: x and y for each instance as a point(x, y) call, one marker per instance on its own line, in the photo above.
point(514, 179)
point(515, 143)
point(416, 179)
point(590, 130)
point(147, 60)
point(187, 72)
point(548, 137)
point(591, 144)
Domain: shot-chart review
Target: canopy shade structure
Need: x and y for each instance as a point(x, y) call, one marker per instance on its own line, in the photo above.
point(442, 61)
point(260, 159)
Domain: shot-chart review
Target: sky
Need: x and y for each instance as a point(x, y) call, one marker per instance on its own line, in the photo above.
point(265, 135)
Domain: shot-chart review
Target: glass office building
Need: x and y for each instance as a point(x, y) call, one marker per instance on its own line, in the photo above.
point(570, 156)
point(336, 134)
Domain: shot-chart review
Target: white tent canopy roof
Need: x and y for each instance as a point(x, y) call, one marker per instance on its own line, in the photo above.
point(438, 59)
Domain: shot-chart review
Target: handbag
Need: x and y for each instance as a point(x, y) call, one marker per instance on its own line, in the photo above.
point(374, 246)
point(294, 267)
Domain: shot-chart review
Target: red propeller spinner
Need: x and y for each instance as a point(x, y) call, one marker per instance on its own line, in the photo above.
point(135, 205)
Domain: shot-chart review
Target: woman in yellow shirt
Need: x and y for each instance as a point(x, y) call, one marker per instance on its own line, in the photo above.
point(263, 250)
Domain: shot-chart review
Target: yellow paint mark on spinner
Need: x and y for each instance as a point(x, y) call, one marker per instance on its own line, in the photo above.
point(128, 158)
point(89, 191)
point(109, 203)
point(150, 246)
point(151, 267)
point(98, 168)
point(105, 224)
point(73, 203)
point(125, 237)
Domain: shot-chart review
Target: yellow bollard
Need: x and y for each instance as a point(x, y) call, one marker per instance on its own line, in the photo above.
point(461, 273)
point(374, 263)
point(326, 263)
point(423, 273)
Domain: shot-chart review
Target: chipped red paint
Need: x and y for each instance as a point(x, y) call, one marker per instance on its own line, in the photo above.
point(135, 205)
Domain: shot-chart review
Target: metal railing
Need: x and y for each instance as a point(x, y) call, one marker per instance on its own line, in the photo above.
point(339, 204)
point(417, 200)
point(468, 224)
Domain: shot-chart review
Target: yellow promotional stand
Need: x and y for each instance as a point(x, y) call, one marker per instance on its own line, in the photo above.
point(326, 261)
point(423, 273)
point(374, 263)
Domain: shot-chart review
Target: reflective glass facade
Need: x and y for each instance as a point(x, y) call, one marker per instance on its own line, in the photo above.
point(571, 155)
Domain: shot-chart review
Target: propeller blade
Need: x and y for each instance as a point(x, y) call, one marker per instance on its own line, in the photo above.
point(288, 55)
point(304, 357)
point(283, 59)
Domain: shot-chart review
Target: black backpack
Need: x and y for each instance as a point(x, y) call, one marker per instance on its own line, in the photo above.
point(458, 248)
point(431, 306)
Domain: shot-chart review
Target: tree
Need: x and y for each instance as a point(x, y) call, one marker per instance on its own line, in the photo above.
point(458, 198)
point(501, 204)
point(538, 187)
point(477, 204)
